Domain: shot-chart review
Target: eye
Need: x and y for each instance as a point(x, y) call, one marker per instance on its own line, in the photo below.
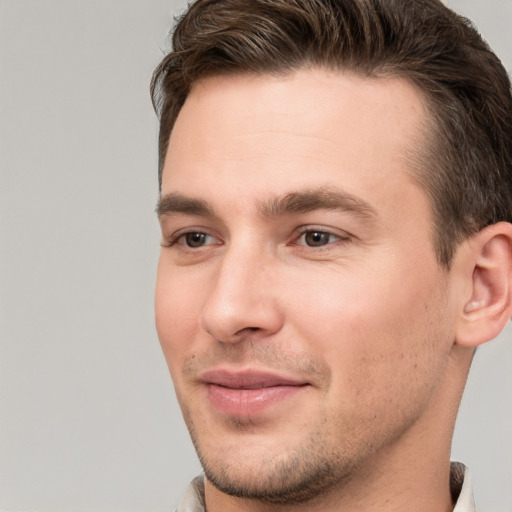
point(317, 238)
point(193, 240)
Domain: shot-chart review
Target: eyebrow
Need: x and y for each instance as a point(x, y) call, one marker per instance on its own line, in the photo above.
point(178, 203)
point(324, 198)
point(304, 201)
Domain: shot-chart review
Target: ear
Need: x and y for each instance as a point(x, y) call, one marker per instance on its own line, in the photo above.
point(488, 308)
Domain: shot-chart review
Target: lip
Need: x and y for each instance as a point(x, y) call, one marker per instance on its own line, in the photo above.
point(249, 393)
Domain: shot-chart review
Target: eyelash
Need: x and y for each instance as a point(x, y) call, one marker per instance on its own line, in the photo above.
point(339, 239)
point(180, 238)
point(322, 232)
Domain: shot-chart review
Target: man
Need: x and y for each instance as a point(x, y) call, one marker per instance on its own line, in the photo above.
point(336, 207)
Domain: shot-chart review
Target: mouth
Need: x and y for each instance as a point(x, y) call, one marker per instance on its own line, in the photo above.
point(249, 393)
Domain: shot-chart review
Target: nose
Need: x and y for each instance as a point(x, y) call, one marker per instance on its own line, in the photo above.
point(243, 302)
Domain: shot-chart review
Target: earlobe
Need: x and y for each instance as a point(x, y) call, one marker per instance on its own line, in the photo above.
point(488, 308)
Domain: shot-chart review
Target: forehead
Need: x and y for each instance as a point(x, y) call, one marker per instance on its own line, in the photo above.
point(305, 129)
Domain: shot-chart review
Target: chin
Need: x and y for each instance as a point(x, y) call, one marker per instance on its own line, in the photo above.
point(290, 478)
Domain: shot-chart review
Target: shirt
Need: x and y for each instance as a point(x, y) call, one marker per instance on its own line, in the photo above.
point(460, 485)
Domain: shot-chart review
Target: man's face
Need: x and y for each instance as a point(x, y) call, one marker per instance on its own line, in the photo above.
point(299, 303)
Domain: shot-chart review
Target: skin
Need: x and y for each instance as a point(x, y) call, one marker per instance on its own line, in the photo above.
point(294, 241)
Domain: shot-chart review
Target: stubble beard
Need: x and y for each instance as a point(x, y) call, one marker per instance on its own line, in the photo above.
point(290, 483)
point(324, 463)
point(297, 477)
point(330, 455)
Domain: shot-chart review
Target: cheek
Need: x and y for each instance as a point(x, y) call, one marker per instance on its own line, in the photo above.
point(373, 329)
point(177, 308)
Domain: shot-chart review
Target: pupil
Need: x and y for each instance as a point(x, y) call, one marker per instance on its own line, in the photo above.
point(316, 238)
point(195, 239)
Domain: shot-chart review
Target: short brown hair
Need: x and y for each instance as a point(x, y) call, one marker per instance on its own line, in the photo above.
point(466, 164)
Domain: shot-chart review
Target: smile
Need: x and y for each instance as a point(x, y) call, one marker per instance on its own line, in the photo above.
point(249, 393)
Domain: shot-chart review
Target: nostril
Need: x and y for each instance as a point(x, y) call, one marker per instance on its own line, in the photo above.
point(247, 329)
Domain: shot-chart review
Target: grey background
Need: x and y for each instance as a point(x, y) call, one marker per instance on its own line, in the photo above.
point(88, 418)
